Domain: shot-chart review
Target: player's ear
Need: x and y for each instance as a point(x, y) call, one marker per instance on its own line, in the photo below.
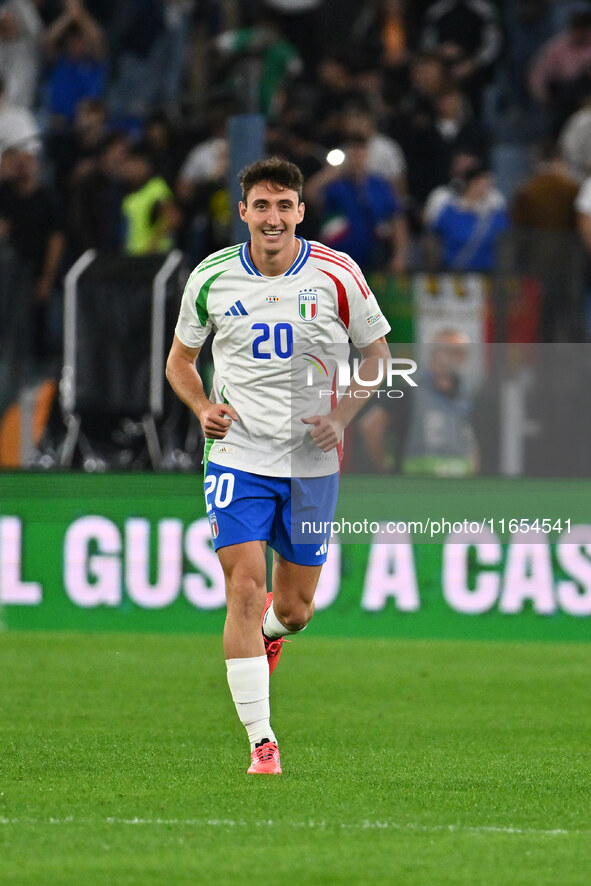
point(242, 210)
point(301, 211)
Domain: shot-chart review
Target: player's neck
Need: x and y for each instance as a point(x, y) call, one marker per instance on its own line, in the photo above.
point(274, 264)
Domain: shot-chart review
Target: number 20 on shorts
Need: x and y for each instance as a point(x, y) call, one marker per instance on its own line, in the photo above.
point(221, 487)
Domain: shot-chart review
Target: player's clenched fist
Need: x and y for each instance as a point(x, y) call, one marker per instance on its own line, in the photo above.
point(216, 420)
point(326, 431)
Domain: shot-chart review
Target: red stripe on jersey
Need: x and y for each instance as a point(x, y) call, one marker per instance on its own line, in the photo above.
point(330, 255)
point(322, 248)
point(343, 263)
point(342, 297)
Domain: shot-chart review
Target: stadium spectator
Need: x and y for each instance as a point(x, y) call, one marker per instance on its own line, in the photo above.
point(257, 84)
point(438, 136)
point(467, 36)
point(295, 142)
point(18, 127)
point(335, 89)
point(138, 63)
point(428, 431)
point(386, 33)
point(529, 24)
point(21, 30)
point(94, 200)
point(575, 142)
point(76, 49)
point(207, 220)
point(467, 216)
point(457, 129)
point(206, 160)
point(380, 34)
point(543, 210)
point(150, 213)
point(298, 20)
point(202, 193)
point(583, 208)
point(546, 200)
point(164, 145)
point(33, 224)
point(412, 127)
point(556, 71)
point(7, 173)
point(370, 84)
point(384, 155)
point(151, 54)
point(427, 78)
point(361, 213)
point(70, 149)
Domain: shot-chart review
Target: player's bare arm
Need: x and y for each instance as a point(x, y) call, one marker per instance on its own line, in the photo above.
point(185, 381)
point(327, 430)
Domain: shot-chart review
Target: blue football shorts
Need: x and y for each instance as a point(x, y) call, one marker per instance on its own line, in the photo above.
point(293, 515)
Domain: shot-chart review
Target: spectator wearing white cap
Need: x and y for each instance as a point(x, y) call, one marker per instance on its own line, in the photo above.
point(21, 30)
point(18, 127)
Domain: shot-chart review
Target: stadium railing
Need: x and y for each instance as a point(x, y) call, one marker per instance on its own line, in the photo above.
point(118, 313)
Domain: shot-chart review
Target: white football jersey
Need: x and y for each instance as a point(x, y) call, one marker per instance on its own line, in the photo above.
point(262, 326)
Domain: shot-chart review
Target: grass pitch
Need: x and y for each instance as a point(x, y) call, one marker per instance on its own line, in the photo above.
point(406, 763)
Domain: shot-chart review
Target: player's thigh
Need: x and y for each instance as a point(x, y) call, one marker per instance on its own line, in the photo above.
point(240, 506)
point(303, 521)
point(293, 583)
point(245, 572)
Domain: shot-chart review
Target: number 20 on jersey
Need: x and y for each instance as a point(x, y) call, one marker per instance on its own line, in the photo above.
point(275, 338)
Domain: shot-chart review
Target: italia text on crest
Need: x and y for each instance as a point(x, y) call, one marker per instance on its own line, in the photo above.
point(308, 304)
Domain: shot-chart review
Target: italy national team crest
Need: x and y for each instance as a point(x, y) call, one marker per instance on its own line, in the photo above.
point(308, 302)
point(213, 524)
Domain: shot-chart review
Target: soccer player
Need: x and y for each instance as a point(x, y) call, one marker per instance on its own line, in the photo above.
point(263, 298)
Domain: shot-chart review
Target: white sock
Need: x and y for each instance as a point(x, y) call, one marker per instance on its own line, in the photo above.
point(272, 627)
point(248, 679)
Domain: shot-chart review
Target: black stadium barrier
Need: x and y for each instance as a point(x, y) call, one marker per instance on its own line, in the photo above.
point(119, 316)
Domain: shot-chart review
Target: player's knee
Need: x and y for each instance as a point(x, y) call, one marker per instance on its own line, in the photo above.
point(245, 597)
point(296, 618)
point(294, 625)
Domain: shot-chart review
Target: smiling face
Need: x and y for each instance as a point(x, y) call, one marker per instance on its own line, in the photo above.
point(272, 213)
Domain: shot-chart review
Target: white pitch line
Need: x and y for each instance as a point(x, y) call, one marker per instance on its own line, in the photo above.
point(311, 824)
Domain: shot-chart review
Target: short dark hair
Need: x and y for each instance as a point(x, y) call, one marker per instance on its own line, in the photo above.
point(285, 176)
point(475, 170)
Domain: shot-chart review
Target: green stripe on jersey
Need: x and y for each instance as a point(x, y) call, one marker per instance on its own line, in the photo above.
point(226, 255)
point(201, 300)
point(206, 450)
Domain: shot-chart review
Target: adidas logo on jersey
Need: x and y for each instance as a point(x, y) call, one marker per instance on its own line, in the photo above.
point(322, 550)
point(236, 310)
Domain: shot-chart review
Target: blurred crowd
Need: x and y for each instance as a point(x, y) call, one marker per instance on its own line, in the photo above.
point(113, 126)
